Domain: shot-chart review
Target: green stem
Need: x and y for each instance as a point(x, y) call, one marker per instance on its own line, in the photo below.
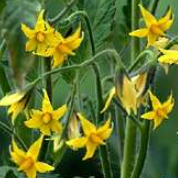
point(129, 149)
point(64, 133)
point(12, 133)
point(106, 166)
point(135, 45)
point(142, 151)
point(63, 12)
point(139, 59)
point(131, 129)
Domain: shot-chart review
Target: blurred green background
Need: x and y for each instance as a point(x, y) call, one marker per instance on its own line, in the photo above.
point(162, 159)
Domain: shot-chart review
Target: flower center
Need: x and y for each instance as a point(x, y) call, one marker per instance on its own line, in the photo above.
point(156, 30)
point(40, 37)
point(160, 113)
point(47, 118)
point(27, 163)
point(95, 139)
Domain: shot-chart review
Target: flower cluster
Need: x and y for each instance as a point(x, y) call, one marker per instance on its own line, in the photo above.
point(132, 92)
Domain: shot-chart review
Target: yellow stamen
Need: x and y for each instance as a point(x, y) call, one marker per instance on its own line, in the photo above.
point(40, 37)
point(47, 118)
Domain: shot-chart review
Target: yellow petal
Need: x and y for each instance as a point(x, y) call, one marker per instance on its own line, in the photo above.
point(40, 24)
point(166, 22)
point(151, 39)
point(168, 105)
point(139, 33)
point(35, 148)
point(31, 45)
point(157, 122)
point(17, 154)
point(46, 105)
point(104, 131)
point(31, 173)
point(154, 101)
point(128, 96)
point(108, 101)
point(45, 129)
point(60, 112)
point(63, 48)
point(56, 126)
point(58, 59)
point(35, 121)
point(87, 126)
point(43, 167)
point(148, 17)
point(77, 142)
point(12, 98)
point(91, 148)
point(41, 48)
point(149, 115)
point(27, 31)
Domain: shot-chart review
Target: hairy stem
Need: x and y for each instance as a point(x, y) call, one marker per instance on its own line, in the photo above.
point(131, 129)
point(142, 151)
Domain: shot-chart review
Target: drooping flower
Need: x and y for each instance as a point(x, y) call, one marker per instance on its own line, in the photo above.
point(28, 161)
point(40, 37)
point(93, 137)
point(62, 47)
point(154, 28)
point(160, 110)
point(17, 102)
point(130, 91)
point(47, 119)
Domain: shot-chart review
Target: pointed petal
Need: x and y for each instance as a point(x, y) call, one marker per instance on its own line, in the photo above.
point(17, 154)
point(139, 33)
point(154, 101)
point(104, 131)
point(35, 121)
point(40, 24)
point(31, 45)
point(45, 129)
point(91, 148)
point(46, 105)
point(147, 16)
point(60, 112)
point(157, 122)
point(168, 105)
point(87, 126)
point(27, 31)
point(35, 148)
point(43, 167)
point(56, 126)
point(77, 142)
point(31, 173)
point(151, 39)
point(109, 99)
point(149, 115)
point(166, 22)
point(12, 98)
point(58, 59)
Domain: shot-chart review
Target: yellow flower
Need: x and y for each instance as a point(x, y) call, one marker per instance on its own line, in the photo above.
point(168, 58)
point(27, 161)
point(47, 119)
point(130, 91)
point(62, 47)
point(93, 137)
point(17, 102)
point(40, 37)
point(160, 110)
point(154, 28)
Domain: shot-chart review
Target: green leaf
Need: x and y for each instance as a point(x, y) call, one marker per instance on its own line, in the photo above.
point(103, 22)
point(2, 5)
point(11, 20)
point(6, 171)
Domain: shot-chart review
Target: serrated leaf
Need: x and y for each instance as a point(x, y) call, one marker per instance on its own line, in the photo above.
point(103, 21)
point(11, 20)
